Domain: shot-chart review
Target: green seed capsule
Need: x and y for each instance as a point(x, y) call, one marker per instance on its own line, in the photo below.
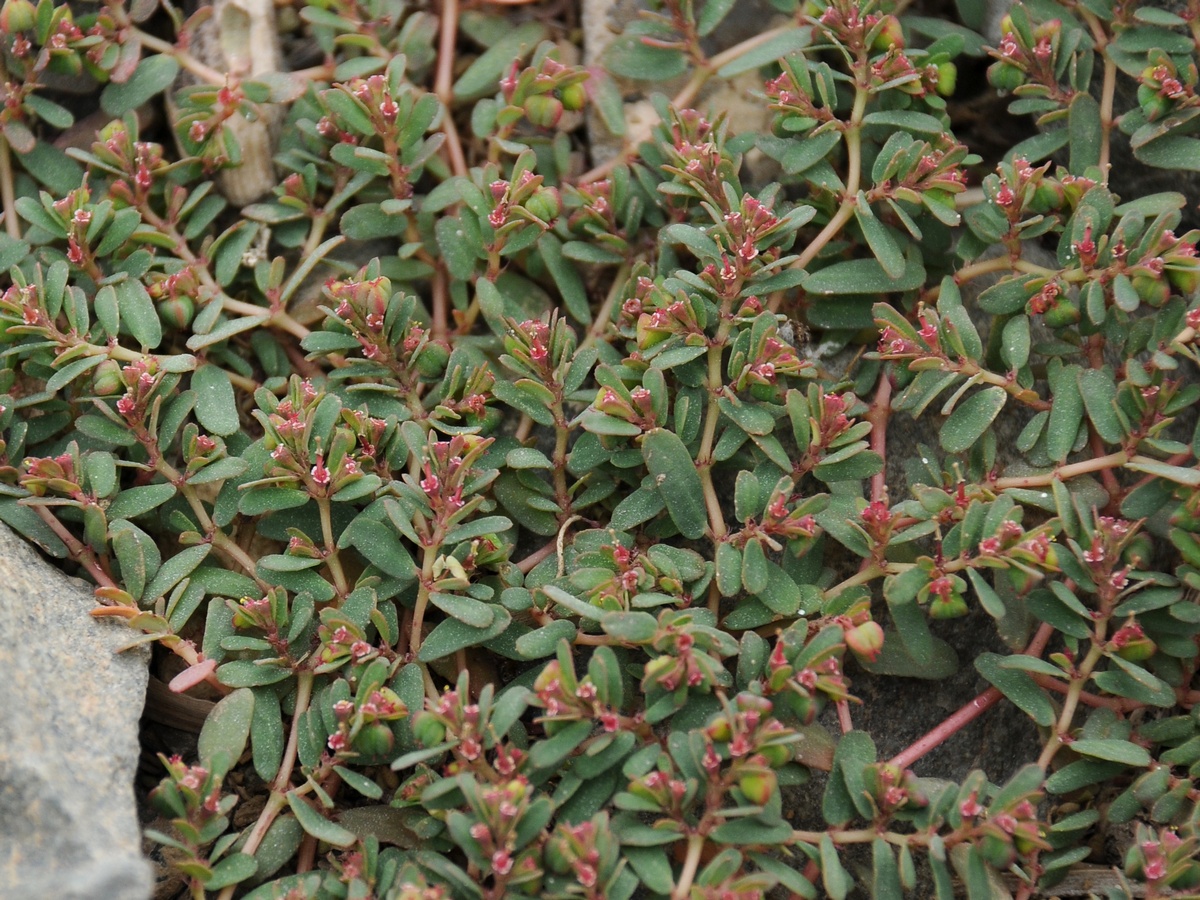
point(107, 380)
point(16, 15)
point(543, 110)
point(1005, 76)
point(573, 97)
point(545, 204)
point(947, 79)
point(177, 312)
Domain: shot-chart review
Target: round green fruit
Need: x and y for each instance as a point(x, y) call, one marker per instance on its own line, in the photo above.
point(1005, 76)
point(177, 312)
point(573, 97)
point(546, 204)
point(947, 79)
point(543, 110)
point(428, 729)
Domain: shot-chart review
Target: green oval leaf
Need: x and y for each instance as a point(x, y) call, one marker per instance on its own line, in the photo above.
point(317, 825)
point(970, 419)
point(678, 482)
point(216, 406)
point(226, 731)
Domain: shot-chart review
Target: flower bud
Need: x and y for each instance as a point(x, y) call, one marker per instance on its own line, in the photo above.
point(558, 856)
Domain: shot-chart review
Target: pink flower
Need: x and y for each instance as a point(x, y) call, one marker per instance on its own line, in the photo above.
point(320, 474)
point(502, 862)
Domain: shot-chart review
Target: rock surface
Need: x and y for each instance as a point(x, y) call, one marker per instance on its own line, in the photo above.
point(69, 709)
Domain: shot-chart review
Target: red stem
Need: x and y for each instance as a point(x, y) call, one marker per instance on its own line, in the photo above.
point(877, 415)
point(968, 713)
point(526, 565)
point(844, 720)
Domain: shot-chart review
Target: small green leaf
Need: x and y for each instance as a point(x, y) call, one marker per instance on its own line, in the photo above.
point(231, 870)
point(317, 825)
point(153, 75)
point(270, 499)
point(906, 120)
point(769, 51)
point(71, 371)
point(380, 546)
point(216, 406)
point(1017, 686)
point(1099, 392)
point(549, 753)
point(175, 569)
point(750, 418)
point(836, 879)
point(1125, 752)
point(542, 642)
point(1083, 122)
point(864, 276)
point(628, 57)
point(630, 627)
point(572, 603)
point(1177, 474)
point(751, 831)
point(1015, 342)
point(678, 481)
point(360, 782)
point(1173, 151)
point(1081, 773)
point(729, 569)
point(566, 278)
point(781, 595)
point(879, 238)
point(483, 74)
point(464, 609)
point(885, 874)
point(226, 731)
point(137, 311)
point(477, 527)
point(971, 419)
point(267, 737)
point(1066, 413)
point(451, 635)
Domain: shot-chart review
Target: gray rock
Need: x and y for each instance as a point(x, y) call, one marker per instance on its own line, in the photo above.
point(69, 709)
